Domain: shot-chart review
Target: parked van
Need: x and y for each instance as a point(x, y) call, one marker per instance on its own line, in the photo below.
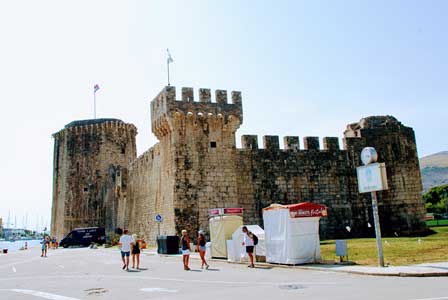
point(84, 237)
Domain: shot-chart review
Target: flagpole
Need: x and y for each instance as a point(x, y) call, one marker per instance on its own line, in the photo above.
point(168, 67)
point(94, 104)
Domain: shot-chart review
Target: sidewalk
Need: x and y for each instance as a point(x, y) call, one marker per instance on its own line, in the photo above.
point(421, 270)
point(438, 269)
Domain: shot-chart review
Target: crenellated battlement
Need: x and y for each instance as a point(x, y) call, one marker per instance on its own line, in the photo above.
point(166, 107)
point(98, 125)
point(291, 143)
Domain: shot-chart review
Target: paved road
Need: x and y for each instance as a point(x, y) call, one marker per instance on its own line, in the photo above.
point(74, 274)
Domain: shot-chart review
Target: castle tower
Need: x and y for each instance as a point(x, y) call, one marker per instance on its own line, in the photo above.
point(402, 209)
point(90, 160)
point(199, 140)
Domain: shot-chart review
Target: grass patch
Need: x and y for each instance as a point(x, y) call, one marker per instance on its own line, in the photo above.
point(397, 251)
point(431, 223)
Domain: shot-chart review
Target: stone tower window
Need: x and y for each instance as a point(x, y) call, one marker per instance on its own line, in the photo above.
point(212, 144)
point(123, 150)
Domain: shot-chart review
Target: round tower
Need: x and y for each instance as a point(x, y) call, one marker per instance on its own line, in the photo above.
point(91, 158)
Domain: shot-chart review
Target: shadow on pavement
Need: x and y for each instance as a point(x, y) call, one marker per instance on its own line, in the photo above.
point(263, 267)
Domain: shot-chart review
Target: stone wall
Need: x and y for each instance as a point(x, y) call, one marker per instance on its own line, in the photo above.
point(272, 175)
point(150, 192)
point(208, 171)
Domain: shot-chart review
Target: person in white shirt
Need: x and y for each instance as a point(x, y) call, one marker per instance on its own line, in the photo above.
point(126, 242)
point(249, 243)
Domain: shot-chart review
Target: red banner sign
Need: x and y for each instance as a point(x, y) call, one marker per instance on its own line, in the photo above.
point(233, 211)
point(307, 210)
point(225, 211)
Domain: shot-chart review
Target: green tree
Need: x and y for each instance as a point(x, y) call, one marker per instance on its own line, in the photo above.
point(436, 199)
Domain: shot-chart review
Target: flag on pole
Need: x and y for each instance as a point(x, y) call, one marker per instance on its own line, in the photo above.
point(96, 87)
point(169, 59)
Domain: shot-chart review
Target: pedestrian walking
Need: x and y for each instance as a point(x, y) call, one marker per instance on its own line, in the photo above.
point(125, 243)
point(249, 243)
point(44, 247)
point(201, 249)
point(186, 249)
point(135, 252)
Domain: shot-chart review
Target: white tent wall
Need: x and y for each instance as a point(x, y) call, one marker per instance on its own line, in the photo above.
point(303, 241)
point(291, 240)
point(275, 230)
point(238, 251)
point(221, 229)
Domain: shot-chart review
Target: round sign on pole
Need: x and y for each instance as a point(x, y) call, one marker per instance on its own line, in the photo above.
point(158, 218)
point(369, 155)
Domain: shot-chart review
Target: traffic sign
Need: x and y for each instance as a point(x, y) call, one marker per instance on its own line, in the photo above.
point(158, 218)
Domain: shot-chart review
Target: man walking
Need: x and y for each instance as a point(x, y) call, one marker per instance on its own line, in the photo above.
point(126, 242)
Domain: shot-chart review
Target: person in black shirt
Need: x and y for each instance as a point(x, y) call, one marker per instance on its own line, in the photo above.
point(135, 252)
point(186, 250)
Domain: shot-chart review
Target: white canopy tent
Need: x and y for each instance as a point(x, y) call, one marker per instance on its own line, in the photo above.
point(292, 233)
point(237, 252)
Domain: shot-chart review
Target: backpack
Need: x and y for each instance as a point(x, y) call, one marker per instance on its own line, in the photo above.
point(255, 239)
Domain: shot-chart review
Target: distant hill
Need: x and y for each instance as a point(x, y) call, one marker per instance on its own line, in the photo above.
point(434, 169)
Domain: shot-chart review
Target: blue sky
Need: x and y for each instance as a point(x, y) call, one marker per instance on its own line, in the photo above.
point(304, 68)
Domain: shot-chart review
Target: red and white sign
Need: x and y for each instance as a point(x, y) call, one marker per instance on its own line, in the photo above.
point(307, 210)
point(225, 211)
point(302, 210)
point(233, 211)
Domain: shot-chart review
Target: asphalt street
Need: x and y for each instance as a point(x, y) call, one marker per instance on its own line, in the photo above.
point(74, 274)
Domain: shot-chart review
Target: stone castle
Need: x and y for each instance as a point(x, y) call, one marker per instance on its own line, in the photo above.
point(196, 166)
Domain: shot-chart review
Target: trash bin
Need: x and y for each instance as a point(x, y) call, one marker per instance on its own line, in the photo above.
point(168, 244)
point(341, 249)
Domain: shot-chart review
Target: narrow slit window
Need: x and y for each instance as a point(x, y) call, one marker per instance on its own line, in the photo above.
point(212, 144)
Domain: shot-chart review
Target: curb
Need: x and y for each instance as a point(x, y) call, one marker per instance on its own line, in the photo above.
point(396, 274)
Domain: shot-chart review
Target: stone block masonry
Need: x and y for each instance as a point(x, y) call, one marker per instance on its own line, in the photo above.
point(197, 166)
point(91, 158)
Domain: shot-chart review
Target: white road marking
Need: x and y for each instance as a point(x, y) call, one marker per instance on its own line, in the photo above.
point(14, 269)
point(61, 266)
point(41, 294)
point(158, 290)
point(439, 298)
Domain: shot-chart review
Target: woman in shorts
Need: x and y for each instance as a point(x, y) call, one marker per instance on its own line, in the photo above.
point(201, 249)
point(249, 243)
point(135, 252)
point(186, 250)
